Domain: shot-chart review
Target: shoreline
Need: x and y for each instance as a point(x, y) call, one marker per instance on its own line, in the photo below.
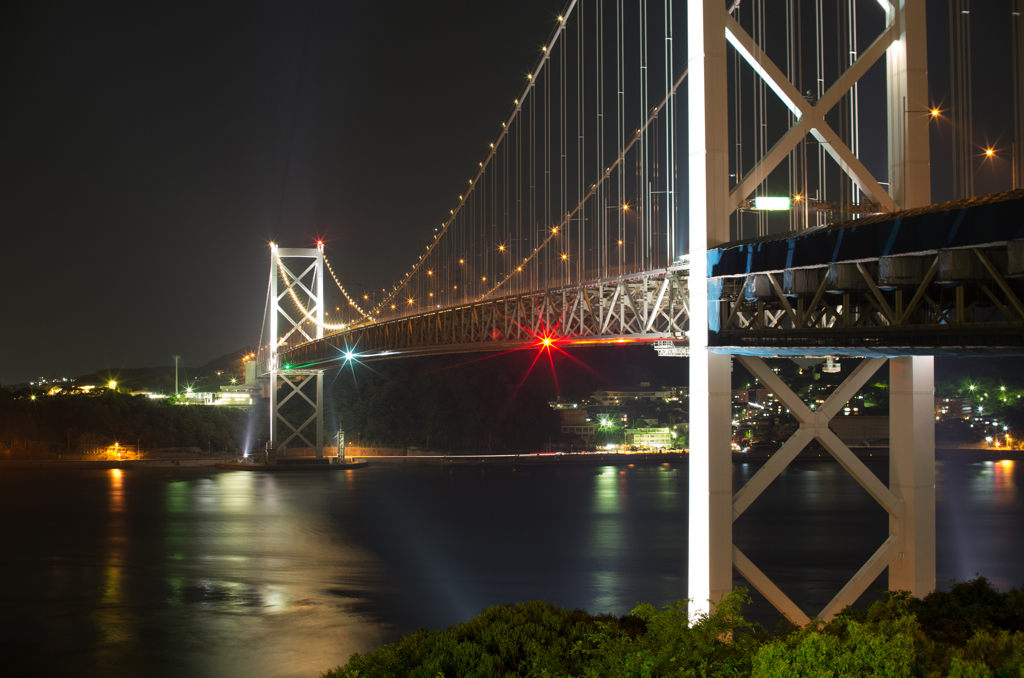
point(575, 458)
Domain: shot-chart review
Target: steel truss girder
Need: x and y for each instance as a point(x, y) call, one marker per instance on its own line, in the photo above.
point(814, 426)
point(925, 312)
point(646, 307)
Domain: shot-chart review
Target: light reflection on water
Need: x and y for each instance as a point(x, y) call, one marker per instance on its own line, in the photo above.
point(199, 572)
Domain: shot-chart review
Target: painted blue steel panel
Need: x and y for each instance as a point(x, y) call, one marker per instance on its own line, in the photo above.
point(968, 223)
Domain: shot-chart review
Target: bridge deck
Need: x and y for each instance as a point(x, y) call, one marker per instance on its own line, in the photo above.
point(943, 279)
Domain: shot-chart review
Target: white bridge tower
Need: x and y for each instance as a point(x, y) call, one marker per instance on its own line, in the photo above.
point(909, 499)
point(302, 273)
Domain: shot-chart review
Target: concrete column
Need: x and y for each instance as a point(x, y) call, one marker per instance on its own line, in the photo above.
point(908, 104)
point(710, 521)
point(912, 472)
point(320, 415)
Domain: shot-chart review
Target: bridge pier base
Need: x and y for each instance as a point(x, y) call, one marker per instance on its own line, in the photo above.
point(912, 472)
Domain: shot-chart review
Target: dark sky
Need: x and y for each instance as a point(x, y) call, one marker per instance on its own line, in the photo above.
point(150, 151)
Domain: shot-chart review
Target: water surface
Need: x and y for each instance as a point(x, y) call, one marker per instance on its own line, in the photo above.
point(217, 573)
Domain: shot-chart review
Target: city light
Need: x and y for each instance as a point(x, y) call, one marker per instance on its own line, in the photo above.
point(112, 385)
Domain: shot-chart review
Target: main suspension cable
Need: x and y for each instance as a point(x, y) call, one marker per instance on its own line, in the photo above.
point(505, 129)
point(593, 189)
point(343, 291)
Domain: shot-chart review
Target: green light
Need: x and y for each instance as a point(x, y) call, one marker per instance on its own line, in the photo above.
point(287, 367)
point(771, 203)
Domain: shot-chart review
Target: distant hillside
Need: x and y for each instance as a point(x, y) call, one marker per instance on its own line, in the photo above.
point(161, 379)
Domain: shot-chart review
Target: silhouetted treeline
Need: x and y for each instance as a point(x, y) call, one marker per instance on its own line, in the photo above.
point(128, 419)
point(451, 403)
point(481, 402)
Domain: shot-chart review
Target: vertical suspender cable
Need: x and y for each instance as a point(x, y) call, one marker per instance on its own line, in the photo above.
point(1017, 27)
point(620, 128)
point(669, 168)
point(580, 146)
point(642, 204)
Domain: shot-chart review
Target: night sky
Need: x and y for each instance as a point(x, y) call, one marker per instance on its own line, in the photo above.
point(149, 152)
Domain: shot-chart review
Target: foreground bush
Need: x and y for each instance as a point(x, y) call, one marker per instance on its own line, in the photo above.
point(970, 631)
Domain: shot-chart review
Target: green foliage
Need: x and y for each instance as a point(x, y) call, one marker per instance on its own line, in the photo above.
point(971, 630)
point(843, 648)
point(526, 639)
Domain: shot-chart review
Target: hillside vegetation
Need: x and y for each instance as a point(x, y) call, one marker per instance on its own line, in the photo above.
point(970, 631)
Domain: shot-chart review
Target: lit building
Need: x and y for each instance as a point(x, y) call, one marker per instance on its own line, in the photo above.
point(620, 397)
point(649, 437)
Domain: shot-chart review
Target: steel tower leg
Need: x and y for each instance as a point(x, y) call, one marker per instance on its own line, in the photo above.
point(911, 380)
point(272, 362)
point(909, 108)
point(912, 472)
point(320, 415)
point(709, 573)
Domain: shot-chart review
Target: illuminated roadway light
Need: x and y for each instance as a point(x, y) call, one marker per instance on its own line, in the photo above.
point(989, 152)
point(935, 112)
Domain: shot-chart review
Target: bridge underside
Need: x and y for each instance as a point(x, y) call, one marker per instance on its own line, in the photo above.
point(940, 280)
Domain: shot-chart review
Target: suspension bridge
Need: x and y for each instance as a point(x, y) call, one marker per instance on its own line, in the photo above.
point(698, 177)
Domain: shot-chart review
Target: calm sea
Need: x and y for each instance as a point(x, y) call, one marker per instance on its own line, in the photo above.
point(218, 573)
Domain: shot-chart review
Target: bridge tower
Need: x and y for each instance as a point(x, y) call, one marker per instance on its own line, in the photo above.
point(299, 275)
point(909, 550)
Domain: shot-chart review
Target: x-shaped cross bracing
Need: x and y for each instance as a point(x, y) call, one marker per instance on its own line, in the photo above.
point(297, 388)
point(291, 283)
point(814, 425)
point(810, 118)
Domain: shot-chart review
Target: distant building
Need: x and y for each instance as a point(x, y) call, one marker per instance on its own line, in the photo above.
point(573, 417)
point(649, 437)
point(952, 408)
point(575, 421)
point(610, 397)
